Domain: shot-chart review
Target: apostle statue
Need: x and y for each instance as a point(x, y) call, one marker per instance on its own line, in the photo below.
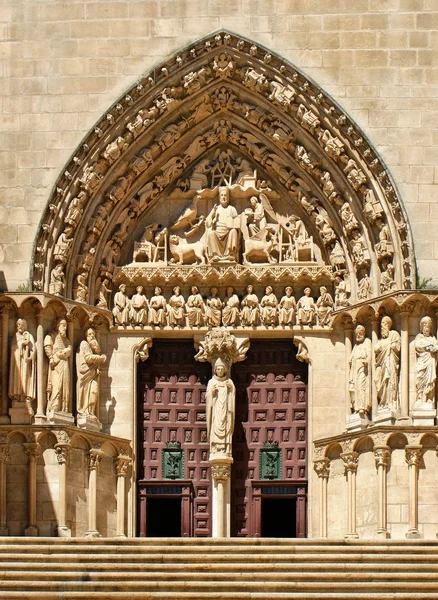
point(288, 307)
point(222, 230)
point(175, 308)
point(88, 360)
point(324, 306)
point(22, 371)
point(306, 308)
point(121, 306)
point(138, 313)
point(220, 407)
point(426, 350)
point(360, 373)
point(58, 350)
point(213, 311)
point(195, 308)
point(387, 360)
point(250, 314)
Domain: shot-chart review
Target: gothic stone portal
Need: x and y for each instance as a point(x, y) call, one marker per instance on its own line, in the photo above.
point(269, 446)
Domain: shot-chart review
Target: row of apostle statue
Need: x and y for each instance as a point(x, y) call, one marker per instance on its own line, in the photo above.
point(58, 350)
point(195, 311)
point(386, 372)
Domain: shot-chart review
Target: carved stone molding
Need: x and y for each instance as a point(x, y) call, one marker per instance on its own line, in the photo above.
point(351, 461)
point(219, 343)
point(221, 472)
point(62, 453)
point(4, 453)
point(382, 456)
point(322, 467)
point(413, 455)
point(95, 456)
point(122, 464)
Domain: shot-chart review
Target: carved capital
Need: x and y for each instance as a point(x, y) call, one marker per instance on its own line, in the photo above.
point(4, 453)
point(62, 453)
point(221, 472)
point(62, 437)
point(351, 461)
point(413, 455)
point(220, 343)
point(322, 467)
point(382, 455)
point(33, 451)
point(95, 456)
point(142, 350)
point(122, 463)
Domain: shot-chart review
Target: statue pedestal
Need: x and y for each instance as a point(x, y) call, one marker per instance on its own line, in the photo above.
point(385, 416)
point(423, 414)
point(221, 473)
point(357, 422)
point(90, 422)
point(60, 418)
point(19, 414)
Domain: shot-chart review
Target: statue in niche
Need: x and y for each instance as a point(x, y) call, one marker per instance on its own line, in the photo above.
point(22, 370)
point(384, 248)
point(230, 313)
point(111, 255)
point(75, 209)
point(82, 289)
point(222, 230)
point(57, 280)
point(387, 282)
point(175, 308)
point(337, 257)
point(365, 287)
point(426, 351)
point(360, 253)
point(220, 409)
point(306, 308)
point(103, 295)
point(213, 312)
point(58, 350)
point(360, 373)
point(157, 309)
point(88, 360)
point(250, 313)
point(372, 208)
point(387, 361)
point(342, 292)
point(325, 230)
point(349, 221)
point(195, 308)
point(324, 306)
point(138, 307)
point(121, 308)
point(288, 308)
point(269, 304)
point(257, 220)
point(63, 244)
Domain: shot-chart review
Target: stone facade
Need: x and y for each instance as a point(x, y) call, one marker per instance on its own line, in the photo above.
point(120, 246)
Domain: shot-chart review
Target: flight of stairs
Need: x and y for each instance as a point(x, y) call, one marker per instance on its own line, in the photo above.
point(198, 569)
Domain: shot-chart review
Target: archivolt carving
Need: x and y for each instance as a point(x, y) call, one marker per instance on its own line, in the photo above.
point(165, 140)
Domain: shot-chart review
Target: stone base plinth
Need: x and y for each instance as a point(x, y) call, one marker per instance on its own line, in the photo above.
point(63, 531)
point(92, 534)
point(383, 534)
point(31, 531)
point(385, 416)
point(20, 415)
point(424, 415)
point(351, 536)
point(357, 422)
point(60, 418)
point(89, 422)
point(413, 534)
point(40, 419)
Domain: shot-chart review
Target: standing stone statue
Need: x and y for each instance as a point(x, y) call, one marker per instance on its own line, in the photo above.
point(426, 350)
point(387, 359)
point(220, 407)
point(360, 373)
point(58, 350)
point(22, 371)
point(88, 360)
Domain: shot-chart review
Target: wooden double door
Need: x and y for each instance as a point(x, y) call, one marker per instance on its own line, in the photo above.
point(269, 474)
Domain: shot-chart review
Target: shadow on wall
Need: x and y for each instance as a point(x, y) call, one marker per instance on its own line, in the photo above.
point(3, 286)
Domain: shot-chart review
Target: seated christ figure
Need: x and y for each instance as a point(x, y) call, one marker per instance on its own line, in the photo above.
point(222, 234)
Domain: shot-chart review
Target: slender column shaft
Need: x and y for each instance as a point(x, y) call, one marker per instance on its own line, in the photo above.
point(221, 471)
point(33, 451)
point(382, 455)
point(374, 340)
point(413, 456)
point(40, 412)
point(404, 365)
point(350, 463)
point(122, 464)
point(4, 416)
point(348, 348)
point(62, 453)
point(322, 468)
point(71, 335)
point(4, 458)
point(95, 458)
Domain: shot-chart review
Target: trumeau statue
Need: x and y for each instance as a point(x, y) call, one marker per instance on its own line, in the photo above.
point(220, 408)
point(88, 360)
point(360, 373)
point(426, 350)
point(22, 371)
point(58, 350)
point(387, 362)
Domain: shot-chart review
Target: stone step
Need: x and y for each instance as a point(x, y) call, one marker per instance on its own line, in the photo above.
point(78, 595)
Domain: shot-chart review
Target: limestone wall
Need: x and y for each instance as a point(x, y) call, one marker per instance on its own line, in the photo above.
point(64, 64)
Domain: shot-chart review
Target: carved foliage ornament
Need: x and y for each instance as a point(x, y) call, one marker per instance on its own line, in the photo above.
point(220, 343)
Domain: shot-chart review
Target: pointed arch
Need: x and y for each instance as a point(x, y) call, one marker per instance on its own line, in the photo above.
point(224, 92)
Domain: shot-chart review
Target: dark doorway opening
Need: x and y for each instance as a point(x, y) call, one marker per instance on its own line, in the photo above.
point(164, 517)
point(279, 517)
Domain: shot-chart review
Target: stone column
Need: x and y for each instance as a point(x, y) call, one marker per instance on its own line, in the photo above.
point(413, 456)
point(221, 472)
point(404, 365)
point(33, 451)
point(350, 463)
point(122, 464)
point(322, 469)
point(374, 340)
point(382, 455)
point(62, 454)
point(95, 457)
point(4, 459)
point(40, 416)
point(71, 364)
point(348, 332)
point(4, 415)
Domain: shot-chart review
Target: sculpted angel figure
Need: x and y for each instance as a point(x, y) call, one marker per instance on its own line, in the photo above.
point(195, 308)
point(157, 308)
point(213, 312)
point(250, 313)
point(306, 308)
point(22, 370)
point(58, 350)
point(387, 361)
point(220, 409)
point(175, 308)
point(230, 313)
point(288, 308)
point(88, 360)
point(269, 305)
point(138, 311)
point(360, 373)
point(426, 351)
